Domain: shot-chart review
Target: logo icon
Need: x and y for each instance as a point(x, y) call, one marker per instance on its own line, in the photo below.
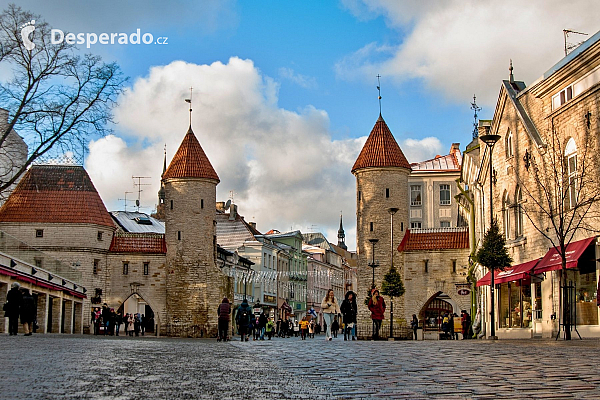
point(26, 30)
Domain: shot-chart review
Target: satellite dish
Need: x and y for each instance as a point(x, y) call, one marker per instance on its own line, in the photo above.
point(227, 205)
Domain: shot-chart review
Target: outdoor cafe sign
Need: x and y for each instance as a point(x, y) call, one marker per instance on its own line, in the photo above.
point(463, 289)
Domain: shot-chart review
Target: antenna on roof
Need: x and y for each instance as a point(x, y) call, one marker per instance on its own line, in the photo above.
point(231, 193)
point(139, 185)
point(125, 200)
point(379, 91)
point(476, 109)
point(190, 101)
point(571, 46)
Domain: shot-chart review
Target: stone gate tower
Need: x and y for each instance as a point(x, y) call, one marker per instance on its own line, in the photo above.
point(381, 171)
point(195, 286)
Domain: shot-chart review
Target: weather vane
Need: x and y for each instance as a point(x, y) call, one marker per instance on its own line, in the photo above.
point(190, 101)
point(379, 90)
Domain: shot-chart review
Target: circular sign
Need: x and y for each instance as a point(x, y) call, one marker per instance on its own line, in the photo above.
point(464, 292)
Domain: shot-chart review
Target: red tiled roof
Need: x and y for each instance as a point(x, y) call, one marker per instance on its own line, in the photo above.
point(190, 161)
point(55, 194)
point(435, 239)
point(138, 243)
point(380, 149)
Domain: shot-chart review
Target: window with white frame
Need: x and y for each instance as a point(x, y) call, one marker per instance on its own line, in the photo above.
point(509, 144)
point(415, 225)
point(415, 195)
point(445, 195)
point(571, 160)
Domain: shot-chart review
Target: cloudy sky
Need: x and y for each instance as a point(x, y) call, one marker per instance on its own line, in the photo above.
point(285, 91)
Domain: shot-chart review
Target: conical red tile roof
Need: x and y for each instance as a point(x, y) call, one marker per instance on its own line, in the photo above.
point(380, 150)
point(55, 194)
point(190, 161)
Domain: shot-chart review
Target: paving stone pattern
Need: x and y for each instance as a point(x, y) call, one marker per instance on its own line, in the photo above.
point(88, 367)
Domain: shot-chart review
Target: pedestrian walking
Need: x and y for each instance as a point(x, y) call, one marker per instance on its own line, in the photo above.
point(451, 325)
point(414, 325)
point(224, 312)
point(296, 328)
point(27, 312)
point(262, 325)
point(118, 322)
point(311, 329)
point(335, 326)
point(112, 318)
point(130, 324)
point(304, 327)
point(144, 321)
point(349, 311)
point(377, 308)
point(242, 319)
point(12, 308)
point(270, 328)
point(137, 321)
point(466, 323)
point(330, 308)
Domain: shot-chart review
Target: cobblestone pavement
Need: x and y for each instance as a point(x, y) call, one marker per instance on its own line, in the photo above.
point(88, 367)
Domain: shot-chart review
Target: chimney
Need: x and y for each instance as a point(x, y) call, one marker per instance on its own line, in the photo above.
point(221, 206)
point(485, 125)
point(232, 212)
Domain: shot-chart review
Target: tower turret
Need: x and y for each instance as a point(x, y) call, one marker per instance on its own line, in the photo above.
point(194, 284)
point(342, 236)
point(381, 172)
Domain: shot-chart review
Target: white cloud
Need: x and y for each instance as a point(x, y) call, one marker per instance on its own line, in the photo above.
point(461, 47)
point(283, 166)
point(421, 150)
point(304, 81)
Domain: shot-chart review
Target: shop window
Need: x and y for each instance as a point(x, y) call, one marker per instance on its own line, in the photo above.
point(514, 308)
point(585, 287)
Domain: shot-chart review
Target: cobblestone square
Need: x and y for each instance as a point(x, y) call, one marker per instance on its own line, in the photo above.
point(89, 367)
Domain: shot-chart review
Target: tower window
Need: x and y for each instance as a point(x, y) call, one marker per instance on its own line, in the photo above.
point(371, 226)
point(387, 192)
point(125, 267)
point(453, 266)
point(201, 203)
point(359, 195)
point(146, 268)
point(171, 204)
point(99, 235)
point(178, 235)
point(426, 262)
point(39, 233)
point(402, 226)
point(96, 265)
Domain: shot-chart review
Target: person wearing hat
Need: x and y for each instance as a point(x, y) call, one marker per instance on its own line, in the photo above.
point(27, 312)
point(377, 308)
point(14, 300)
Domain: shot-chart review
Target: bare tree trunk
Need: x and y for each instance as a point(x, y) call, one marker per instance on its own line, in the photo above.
point(566, 305)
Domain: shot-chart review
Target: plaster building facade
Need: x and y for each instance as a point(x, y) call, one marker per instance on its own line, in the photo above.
point(547, 148)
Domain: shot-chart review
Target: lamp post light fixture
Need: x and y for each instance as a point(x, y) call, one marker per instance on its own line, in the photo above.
point(490, 141)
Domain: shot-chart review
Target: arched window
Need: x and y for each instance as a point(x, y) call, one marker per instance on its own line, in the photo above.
point(509, 144)
point(506, 215)
point(571, 162)
point(519, 210)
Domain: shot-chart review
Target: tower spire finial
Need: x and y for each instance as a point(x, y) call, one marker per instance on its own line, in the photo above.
point(379, 91)
point(476, 109)
point(511, 77)
point(165, 161)
point(190, 102)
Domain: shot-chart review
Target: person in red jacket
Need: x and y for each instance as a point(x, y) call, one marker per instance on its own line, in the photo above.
point(377, 308)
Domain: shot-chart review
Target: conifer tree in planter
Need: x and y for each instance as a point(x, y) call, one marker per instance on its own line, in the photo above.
point(392, 286)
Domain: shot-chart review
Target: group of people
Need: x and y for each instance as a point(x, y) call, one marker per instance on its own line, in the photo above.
point(448, 325)
point(108, 322)
point(20, 303)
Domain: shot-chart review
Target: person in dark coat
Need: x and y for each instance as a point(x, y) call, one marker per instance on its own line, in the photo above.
point(414, 325)
point(27, 312)
point(377, 308)
point(262, 325)
point(242, 319)
point(349, 311)
point(105, 318)
point(14, 299)
point(223, 311)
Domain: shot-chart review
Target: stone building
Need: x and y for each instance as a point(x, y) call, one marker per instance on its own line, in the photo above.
point(407, 217)
point(547, 149)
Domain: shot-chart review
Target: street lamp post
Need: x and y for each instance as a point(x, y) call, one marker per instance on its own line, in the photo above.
point(392, 211)
point(490, 141)
point(373, 265)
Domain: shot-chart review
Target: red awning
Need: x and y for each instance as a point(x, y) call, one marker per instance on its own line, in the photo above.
point(514, 273)
point(552, 261)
